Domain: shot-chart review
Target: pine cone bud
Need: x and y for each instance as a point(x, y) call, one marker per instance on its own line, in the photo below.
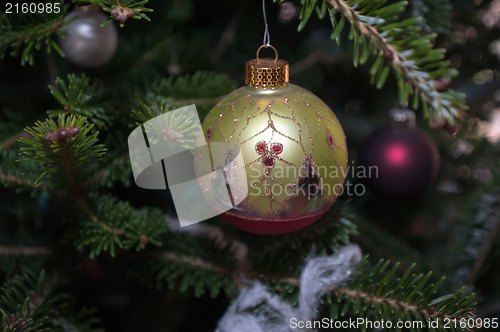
point(73, 131)
point(122, 14)
point(388, 55)
point(51, 137)
point(62, 134)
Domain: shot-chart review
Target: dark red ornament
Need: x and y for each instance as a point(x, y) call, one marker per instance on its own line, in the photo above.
point(405, 157)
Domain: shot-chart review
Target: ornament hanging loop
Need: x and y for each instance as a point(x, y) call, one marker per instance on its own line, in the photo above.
point(267, 36)
point(268, 45)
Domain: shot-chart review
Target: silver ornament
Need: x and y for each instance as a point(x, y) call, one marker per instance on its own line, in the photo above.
point(85, 42)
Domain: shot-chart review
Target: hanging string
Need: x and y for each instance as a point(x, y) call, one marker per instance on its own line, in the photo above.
point(267, 38)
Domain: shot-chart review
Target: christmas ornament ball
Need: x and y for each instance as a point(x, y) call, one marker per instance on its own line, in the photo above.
point(405, 157)
point(84, 41)
point(292, 144)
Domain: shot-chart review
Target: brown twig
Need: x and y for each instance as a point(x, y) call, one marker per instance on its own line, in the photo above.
point(13, 140)
point(19, 181)
point(23, 251)
point(75, 188)
point(195, 262)
point(94, 218)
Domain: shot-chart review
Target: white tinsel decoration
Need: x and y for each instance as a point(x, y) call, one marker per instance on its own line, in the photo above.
point(256, 310)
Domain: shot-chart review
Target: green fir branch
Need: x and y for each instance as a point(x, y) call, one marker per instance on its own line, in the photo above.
point(186, 272)
point(374, 292)
point(63, 162)
point(202, 88)
point(12, 174)
point(23, 34)
point(121, 10)
point(29, 303)
point(80, 96)
point(397, 45)
point(116, 169)
point(115, 224)
point(382, 292)
point(195, 262)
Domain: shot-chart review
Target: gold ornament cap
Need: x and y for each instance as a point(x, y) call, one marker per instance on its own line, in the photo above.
point(266, 73)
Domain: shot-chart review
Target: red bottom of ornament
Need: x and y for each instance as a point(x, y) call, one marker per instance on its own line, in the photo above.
point(271, 226)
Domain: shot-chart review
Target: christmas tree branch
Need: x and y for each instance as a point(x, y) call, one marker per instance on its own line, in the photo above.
point(94, 219)
point(102, 173)
point(79, 95)
point(201, 88)
point(394, 296)
point(437, 106)
point(31, 302)
point(121, 10)
point(116, 224)
point(28, 301)
point(398, 45)
point(68, 146)
point(28, 32)
point(428, 312)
